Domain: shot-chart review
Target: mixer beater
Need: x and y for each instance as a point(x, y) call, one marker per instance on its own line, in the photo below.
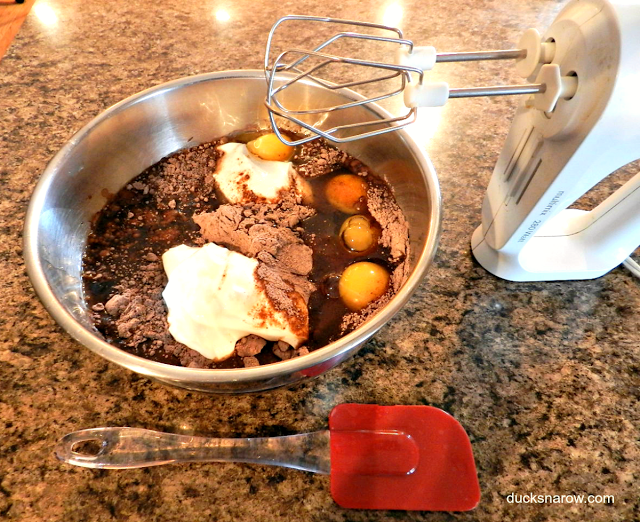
point(409, 66)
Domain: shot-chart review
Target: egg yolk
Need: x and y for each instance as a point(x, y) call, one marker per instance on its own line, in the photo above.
point(357, 233)
point(347, 193)
point(270, 148)
point(362, 283)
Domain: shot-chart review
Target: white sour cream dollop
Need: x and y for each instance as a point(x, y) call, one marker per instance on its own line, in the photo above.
point(243, 177)
point(214, 299)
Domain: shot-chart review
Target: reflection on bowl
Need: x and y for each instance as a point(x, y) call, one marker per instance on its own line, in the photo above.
point(136, 133)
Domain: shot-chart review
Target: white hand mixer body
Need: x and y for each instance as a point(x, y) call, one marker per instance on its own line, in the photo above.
point(551, 158)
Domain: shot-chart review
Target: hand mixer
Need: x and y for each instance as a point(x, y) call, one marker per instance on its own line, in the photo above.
point(579, 122)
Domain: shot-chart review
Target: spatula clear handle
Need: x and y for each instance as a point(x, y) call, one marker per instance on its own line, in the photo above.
point(124, 448)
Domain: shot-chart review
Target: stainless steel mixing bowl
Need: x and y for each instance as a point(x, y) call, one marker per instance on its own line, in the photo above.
point(136, 133)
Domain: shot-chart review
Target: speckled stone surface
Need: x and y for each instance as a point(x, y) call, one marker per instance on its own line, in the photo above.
point(544, 377)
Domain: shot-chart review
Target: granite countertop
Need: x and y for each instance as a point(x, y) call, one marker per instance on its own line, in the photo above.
point(543, 376)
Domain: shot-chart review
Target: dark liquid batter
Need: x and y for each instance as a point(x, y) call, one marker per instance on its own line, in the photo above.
point(138, 225)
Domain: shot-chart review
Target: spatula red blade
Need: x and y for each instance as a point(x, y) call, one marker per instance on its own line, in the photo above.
point(445, 476)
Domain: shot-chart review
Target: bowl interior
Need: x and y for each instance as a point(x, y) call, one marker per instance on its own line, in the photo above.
point(136, 133)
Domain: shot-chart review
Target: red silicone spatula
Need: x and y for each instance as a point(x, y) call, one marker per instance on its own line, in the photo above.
point(379, 457)
point(444, 478)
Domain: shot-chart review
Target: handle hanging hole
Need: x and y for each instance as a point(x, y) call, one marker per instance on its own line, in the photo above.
point(88, 448)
